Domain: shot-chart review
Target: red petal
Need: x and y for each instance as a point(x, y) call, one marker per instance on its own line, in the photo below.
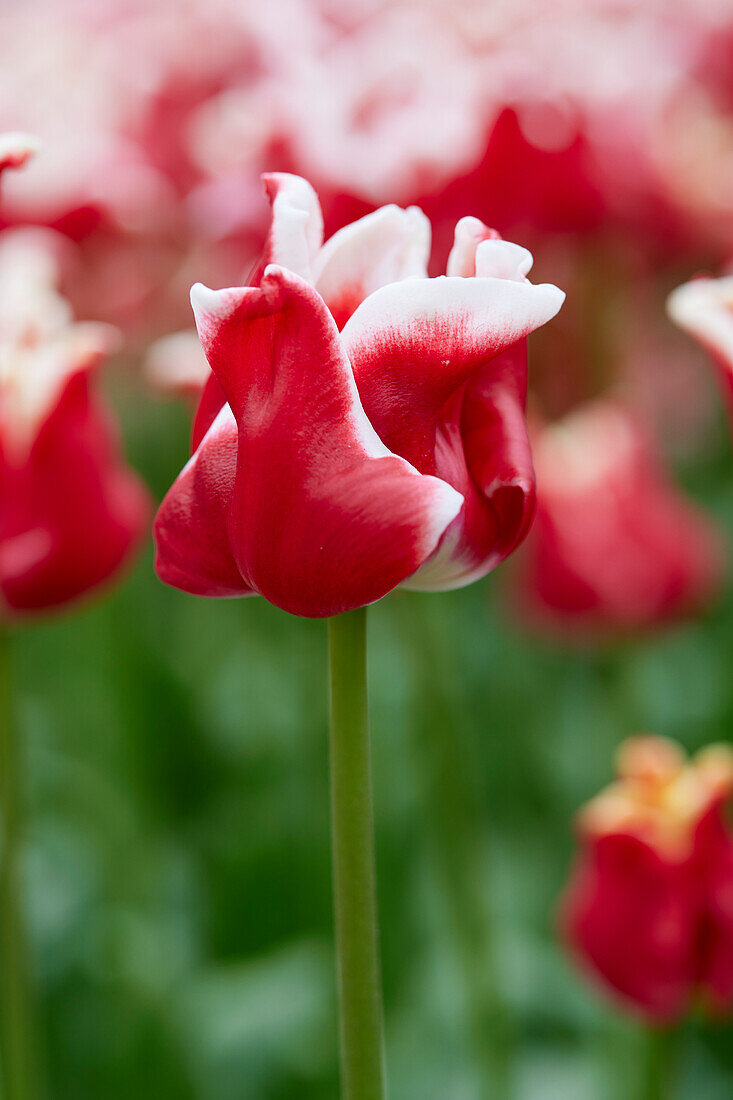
point(323, 517)
point(73, 512)
point(441, 369)
point(483, 451)
point(413, 345)
point(192, 543)
point(630, 917)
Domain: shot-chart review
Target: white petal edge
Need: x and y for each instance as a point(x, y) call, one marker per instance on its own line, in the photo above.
point(507, 308)
point(704, 309)
point(386, 246)
point(296, 230)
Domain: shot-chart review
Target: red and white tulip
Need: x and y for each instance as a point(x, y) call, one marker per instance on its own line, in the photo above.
point(70, 510)
point(364, 424)
point(649, 909)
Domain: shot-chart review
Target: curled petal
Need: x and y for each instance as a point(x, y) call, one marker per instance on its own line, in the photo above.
point(296, 228)
point(468, 235)
point(323, 517)
point(192, 544)
point(414, 344)
point(503, 260)
point(480, 251)
point(483, 450)
point(383, 247)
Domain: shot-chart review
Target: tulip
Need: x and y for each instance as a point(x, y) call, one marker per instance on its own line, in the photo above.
point(614, 546)
point(704, 309)
point(363, 428)
point(71, 512)
point(648, 909)
point(364, 425)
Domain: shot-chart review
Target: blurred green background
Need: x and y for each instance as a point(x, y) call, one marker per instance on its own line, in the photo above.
point(178, 870)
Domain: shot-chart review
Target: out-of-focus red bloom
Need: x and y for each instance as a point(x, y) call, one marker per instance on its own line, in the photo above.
point(649, 908)
point(70, 510)
point(364, 425)
point(704, 309)
point(614, 546)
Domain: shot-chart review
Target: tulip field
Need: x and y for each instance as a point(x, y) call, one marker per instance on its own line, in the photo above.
point(366, 528)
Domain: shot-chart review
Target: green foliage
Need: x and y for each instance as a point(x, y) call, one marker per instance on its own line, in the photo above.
point(178, 871)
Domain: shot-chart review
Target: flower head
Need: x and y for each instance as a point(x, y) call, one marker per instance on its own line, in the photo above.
point(649, 907)
point(71, 511)
point(614, 546)
point(364, 424)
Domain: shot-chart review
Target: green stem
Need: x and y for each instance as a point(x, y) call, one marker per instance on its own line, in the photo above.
point(16, 1044)
point(355, 905)
point(659, 1063)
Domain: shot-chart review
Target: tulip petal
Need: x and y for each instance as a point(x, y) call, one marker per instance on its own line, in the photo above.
point(413, 344)
point(212, 399)
point(441, 369)
point(324, 518)
point(469, 233)
point(296, 228)
point(631, 917)
point(383, 247)
point(192, 543)
point(483, 451)
point(73, 511)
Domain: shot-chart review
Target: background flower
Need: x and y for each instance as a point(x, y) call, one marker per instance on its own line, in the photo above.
point(648, 908)
point(71, 511)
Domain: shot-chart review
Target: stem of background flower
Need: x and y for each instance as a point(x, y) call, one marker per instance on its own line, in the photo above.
point(457, 833)
point(659, 1062)
point(17, 1053)
point(355, 903)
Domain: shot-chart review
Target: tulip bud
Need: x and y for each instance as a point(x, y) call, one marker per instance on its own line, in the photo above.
point(648, 909)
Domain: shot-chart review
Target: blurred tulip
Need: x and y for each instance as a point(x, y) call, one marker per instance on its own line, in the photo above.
point(614, 546)
point(176, 366)
point(704, 309)
point(71, 510)
point(336, 471)
point(648, 909)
